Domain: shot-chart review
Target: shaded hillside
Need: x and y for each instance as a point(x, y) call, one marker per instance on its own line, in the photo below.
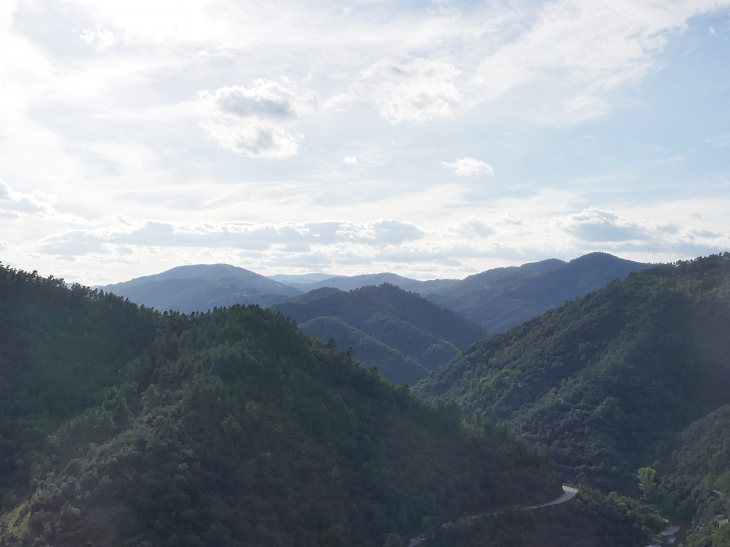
point(349, 283)
point(222, 429)
point(500, 298)
point(312, 295)
point(604, 380)
point(410, 325)
point(202, 287)
point(392, 364)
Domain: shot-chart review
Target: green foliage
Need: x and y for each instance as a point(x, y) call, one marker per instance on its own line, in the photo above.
point(604, 379)
point(590, 520)
point(646, 482)
point(224, 428)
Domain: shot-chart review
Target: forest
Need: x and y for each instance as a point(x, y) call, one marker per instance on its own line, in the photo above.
point(120, 424)
point(124, 426)
point(627, 382)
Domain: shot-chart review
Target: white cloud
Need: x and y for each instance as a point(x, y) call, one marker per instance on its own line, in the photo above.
point(251, 120)
point(416, 90)
point(469, 166)
point(99, 38)
point(595, 225)
point(235, 235)
point(256, 140)
point(472, 227)
point(265, 100)
point(350, 160)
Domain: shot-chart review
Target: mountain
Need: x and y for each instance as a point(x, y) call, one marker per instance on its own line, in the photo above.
point(345, 283)
point(304, 279)
point(502, 297)
point(120, 426)
point(403, 333)
point(607, 381)
point(202, 287)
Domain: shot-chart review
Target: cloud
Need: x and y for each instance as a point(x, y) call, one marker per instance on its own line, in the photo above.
point(99, 38)
point(350, 160)
point(469, 166)
point(415, 90)
point(15, 204)
point(595, 225)
point(472, 227)
point(256, 140)
point(265, 100)
point(251, 120)
point(234, 235)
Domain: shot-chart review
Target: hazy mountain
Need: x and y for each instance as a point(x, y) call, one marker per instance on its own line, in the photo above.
point(606, 380)
point(304, 279)
point(502, 297)
point(312, 295)
point(349, 283)
point(405, 325)
point(202, 287)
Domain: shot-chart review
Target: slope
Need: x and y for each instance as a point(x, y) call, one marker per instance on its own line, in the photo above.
point(500, 298)
point(350, 283)
point(406, 322)
point(603, 380)
point(221, 429)
point(202, 287)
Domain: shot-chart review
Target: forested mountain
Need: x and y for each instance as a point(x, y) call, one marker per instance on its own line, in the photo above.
point(402, 333)
point(502, 297)
point(609, 380)
point(349, 283)
point(121, 426)
point(202, 287)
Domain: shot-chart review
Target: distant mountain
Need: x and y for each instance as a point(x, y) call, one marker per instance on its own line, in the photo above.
point(349, 283)
point(202, 287)
point(413, 335)
point(502, 297)
point(304, 279)
point(312, 295)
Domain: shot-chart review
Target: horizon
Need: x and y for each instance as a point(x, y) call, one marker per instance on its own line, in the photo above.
point(333, 275)
point(430, 139)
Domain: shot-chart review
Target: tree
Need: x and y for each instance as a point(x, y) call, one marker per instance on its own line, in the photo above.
point(646, 482)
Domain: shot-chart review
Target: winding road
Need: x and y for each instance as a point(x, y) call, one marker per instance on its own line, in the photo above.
point(568, 494)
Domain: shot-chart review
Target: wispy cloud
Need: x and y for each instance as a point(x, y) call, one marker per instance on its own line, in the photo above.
point(469, 166)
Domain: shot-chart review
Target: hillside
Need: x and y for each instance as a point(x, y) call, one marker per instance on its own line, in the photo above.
point(607, 380)
point(404, 324)
point(121, 426)
point(350, 283)
point(202, 287)
point(502, 297)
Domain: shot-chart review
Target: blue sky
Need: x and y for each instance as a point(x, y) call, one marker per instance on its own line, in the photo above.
point(431, 139)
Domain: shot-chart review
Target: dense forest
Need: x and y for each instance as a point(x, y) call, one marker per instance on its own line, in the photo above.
point(123, 426)
point(402, 333)
point(633, 376)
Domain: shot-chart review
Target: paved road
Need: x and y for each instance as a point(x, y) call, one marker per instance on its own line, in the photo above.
point(568, 494)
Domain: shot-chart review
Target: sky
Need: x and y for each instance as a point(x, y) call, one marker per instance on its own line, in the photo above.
point(433, 139)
